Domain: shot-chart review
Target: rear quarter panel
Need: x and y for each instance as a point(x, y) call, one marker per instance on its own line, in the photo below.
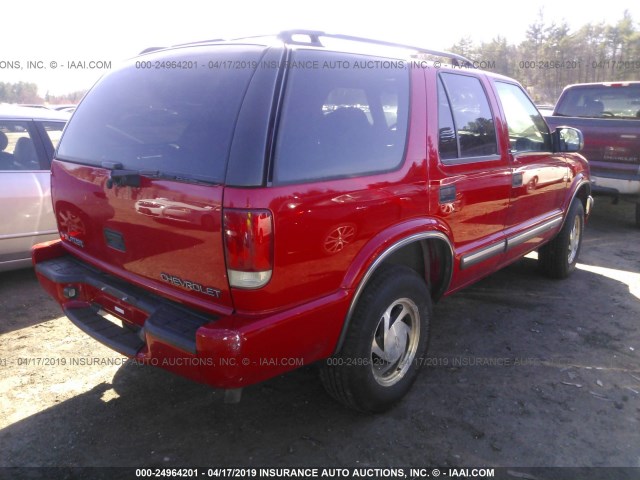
point(309, 262)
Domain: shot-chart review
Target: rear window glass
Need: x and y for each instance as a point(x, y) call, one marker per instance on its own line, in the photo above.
point(174, 114)
point(600, 101)
point(344, 116)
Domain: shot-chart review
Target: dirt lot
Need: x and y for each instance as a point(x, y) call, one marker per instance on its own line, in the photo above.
point(524, 372)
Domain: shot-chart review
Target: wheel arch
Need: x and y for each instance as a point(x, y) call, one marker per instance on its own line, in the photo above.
point(429, 253)
point(581, 191)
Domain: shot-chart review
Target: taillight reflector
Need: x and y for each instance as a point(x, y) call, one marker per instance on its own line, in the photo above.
point(248, 246)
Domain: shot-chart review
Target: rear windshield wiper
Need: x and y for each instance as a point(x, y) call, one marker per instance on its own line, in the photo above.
point(122, 177)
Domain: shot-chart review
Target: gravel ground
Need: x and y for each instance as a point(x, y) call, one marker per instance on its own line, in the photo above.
point(522, 371)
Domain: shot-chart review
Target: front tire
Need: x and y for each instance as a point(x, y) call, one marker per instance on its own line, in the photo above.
point(559, 257)
point(385, 342)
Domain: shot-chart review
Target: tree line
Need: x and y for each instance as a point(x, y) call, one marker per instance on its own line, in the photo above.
point(27, 93)
point(21, 92)
point(552, 56)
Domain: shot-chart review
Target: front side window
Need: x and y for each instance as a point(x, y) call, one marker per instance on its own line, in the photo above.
point(527, 130)
point(474, 127)
point(341, 122)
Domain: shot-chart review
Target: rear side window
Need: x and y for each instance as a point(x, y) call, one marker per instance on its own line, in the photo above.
point(447, 138)
point(17, 147)
point(464, 108)
point(341, 121)
point(53, 131)
point(601, 101)
point(166, 112)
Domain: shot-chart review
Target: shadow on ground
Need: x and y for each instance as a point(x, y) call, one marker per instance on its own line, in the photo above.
point(466, 408)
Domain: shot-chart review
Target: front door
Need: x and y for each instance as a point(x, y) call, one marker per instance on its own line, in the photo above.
point(539, 177)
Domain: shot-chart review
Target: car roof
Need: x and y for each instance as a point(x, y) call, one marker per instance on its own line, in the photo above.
point(319, 40)
point(17, 112)
point(621, 83)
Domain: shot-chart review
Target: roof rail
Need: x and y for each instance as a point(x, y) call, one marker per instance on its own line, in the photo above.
point(287, 36)
point(153, 49)
point(150, 49)
point(212, 40)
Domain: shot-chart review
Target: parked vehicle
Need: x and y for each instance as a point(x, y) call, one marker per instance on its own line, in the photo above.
point(28, 137)
point(347, 186)
point(63, 108)
point(545, 109)
point(608, 114)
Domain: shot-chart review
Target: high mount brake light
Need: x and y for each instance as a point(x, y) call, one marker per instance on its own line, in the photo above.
point(248, 246)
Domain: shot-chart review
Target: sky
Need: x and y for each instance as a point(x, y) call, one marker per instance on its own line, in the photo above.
point(50, 34)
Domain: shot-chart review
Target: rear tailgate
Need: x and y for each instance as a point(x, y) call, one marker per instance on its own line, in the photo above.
point(608, 115)
point(138, 179)
point(164, 234)
point(611, 146)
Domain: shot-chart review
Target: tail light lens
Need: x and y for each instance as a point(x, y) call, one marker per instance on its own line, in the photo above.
point(248, 246)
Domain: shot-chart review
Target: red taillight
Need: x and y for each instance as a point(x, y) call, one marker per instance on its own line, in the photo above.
point(248, 247)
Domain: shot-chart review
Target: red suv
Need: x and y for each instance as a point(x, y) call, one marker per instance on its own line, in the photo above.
point(232, 210)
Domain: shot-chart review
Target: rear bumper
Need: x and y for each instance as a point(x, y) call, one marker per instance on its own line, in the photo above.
point(589, 206)
point(222, 351)
point(605, 185)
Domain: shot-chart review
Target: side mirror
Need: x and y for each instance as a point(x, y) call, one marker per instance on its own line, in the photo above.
point(567, 139)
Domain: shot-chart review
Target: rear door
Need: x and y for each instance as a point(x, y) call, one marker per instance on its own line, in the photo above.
point(472, 182)
point(26, 216)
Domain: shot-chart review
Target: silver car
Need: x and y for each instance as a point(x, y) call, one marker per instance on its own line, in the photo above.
point(28, 137)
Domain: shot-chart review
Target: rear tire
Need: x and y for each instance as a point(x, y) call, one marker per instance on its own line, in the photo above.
point(385, 342)
point(559, 257)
